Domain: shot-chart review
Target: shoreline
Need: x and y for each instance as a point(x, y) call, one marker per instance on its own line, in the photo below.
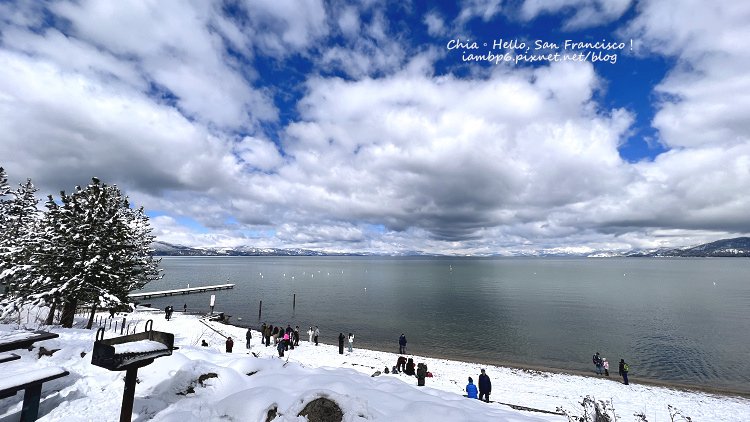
point(726, 392)
point(614, 377)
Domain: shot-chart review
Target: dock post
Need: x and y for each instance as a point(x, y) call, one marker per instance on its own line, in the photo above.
point(123, 326)
point(260, 309)
point(294, 302)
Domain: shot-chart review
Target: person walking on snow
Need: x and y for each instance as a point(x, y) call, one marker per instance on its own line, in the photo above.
point(248, 337)
point(485, 387)
point(402, 344)
point(623, 370)
point(317, 334)
point(230, 344)
point(351, 340)
point(310, 333)
point(341, 343)
point(471, 389)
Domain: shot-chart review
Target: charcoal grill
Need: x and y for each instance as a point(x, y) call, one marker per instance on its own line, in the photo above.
point(128, 353)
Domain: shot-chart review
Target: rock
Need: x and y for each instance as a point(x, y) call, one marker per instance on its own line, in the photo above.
point(322, 410)
point(46, 352)
point(271, 415)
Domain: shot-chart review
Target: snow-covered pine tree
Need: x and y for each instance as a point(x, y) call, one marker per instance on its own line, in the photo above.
point(94, 249)
point(110, 249)
point(4, 200)
point(19, 241)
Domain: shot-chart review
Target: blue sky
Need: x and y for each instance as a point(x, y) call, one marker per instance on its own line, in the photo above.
point(351, 126)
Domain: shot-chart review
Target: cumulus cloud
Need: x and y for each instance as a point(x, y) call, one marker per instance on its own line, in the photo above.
point(381, 152)
point(704, 96)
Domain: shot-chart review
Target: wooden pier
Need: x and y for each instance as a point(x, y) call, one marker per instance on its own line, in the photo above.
point(186, 291)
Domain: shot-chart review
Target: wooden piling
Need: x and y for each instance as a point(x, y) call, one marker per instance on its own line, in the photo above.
point(294, 302)
point(260, 309)
point(123, 326)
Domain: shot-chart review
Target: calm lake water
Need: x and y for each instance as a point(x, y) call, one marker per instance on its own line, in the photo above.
point(674, 320)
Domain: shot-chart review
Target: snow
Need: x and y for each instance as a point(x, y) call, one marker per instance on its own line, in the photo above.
point(16, 336)
point(11, 379)
point(140, 346)
point(245, 387)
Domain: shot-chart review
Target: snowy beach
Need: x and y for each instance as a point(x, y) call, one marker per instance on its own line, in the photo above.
point(206, 383)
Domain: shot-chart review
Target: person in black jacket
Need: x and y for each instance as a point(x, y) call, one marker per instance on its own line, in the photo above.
point(421, 374)
point(410, 367)
point(341, 343)
point(485, 386)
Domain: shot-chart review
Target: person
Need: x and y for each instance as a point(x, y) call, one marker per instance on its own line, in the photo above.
point(171, 309)
point(317, 333)
point(401, 364)
point(280, 348)
point(421, 374)
point(597, 362)
point(230, 344)
point(111, 312)
point(471, 389)
point(248, 337)
point(623, 370)
point(409, 369)
point(203, 343)
point(351, 340)
point(296, 335)
point(285, 341)
point(605, 365)
point(402, 344)
point(341, 343)
point(263, 333)
point(184, 308)
point(310, 333)
point(485, 386)
point(386, 370)
point(166, 313)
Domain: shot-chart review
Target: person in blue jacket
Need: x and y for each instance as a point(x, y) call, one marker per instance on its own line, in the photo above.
point(471, 389)
point(485, 387)
point(402, 344)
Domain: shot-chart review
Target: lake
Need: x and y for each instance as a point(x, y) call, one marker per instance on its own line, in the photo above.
point(674, 320)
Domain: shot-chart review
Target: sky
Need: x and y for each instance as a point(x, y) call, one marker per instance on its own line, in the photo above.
point(390, 126)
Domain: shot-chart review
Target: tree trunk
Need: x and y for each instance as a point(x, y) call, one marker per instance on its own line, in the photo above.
point(91, 317)
point(51, 316)
point(68, 313)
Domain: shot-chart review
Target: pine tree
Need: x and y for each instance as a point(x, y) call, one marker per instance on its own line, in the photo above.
point(4, 201)
point(19, 240)
point(92, 247)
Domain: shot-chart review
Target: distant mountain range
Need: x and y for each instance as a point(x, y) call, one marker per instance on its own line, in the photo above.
point(737, 247)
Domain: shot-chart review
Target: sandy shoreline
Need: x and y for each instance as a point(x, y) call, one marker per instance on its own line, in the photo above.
point(614, 377)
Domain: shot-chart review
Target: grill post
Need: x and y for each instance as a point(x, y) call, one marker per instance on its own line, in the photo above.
point(128, 395)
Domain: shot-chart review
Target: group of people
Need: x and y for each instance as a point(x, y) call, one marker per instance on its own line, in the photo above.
point(408, 367)
point(485, 387)
point(341, 342)
point(602, 365)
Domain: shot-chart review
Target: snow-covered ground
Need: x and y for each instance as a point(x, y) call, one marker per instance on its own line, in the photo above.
point(245, 387)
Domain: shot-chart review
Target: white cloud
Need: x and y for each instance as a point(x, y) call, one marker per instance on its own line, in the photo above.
point(485, 9)
point(394, 157)
point(579, 13)
point(704, 97)
point(435, 24)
